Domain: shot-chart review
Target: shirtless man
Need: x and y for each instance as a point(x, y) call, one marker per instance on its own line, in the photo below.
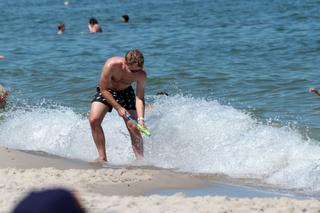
point(115, 91)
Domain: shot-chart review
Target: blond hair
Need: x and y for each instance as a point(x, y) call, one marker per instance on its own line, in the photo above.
point(134, 56)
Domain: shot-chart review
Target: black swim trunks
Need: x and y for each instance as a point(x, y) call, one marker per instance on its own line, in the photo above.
point(126, 98)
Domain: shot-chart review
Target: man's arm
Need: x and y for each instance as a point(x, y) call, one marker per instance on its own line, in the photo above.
point(314, 90)
point(140, 105)
point(104, 79)
point(4, 93)
point(90, 28)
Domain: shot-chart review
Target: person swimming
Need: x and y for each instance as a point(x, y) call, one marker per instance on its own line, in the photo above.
point(162, 93)
point(124, 18)
point(61, 28)
point(94, 26)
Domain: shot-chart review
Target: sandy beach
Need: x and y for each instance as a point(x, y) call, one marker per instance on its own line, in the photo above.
point(123, 189)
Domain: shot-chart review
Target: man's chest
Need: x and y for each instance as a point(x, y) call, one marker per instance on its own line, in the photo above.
point(122, 79)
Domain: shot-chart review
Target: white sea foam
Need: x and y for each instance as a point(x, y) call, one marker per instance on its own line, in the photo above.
point(192, 135)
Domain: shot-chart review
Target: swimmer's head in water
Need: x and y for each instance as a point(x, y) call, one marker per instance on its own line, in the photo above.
point(93, 21)
point(61, 26)
point(125, 18)
point(162, 93)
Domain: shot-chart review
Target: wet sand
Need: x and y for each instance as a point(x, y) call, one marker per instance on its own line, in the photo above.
point(107, 188)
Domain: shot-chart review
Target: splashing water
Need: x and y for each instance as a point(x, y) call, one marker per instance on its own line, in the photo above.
point(188, 134)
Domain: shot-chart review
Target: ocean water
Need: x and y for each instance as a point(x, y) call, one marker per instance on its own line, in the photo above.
point(237, 72)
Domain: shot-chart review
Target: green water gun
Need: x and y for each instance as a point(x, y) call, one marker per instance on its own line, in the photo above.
point(142, 129)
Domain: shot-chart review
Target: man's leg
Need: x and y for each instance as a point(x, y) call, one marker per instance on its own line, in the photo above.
point(97, 113)
point(136, 139)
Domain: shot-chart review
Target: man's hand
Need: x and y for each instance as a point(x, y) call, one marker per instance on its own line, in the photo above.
point(141, 122)
point(122, 112)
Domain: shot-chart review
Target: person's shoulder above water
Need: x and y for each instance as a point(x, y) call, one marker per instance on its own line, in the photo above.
point(124, 18)
point(94, 26)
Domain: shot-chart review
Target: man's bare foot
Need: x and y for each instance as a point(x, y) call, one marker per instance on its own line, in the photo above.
point(98, 160)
